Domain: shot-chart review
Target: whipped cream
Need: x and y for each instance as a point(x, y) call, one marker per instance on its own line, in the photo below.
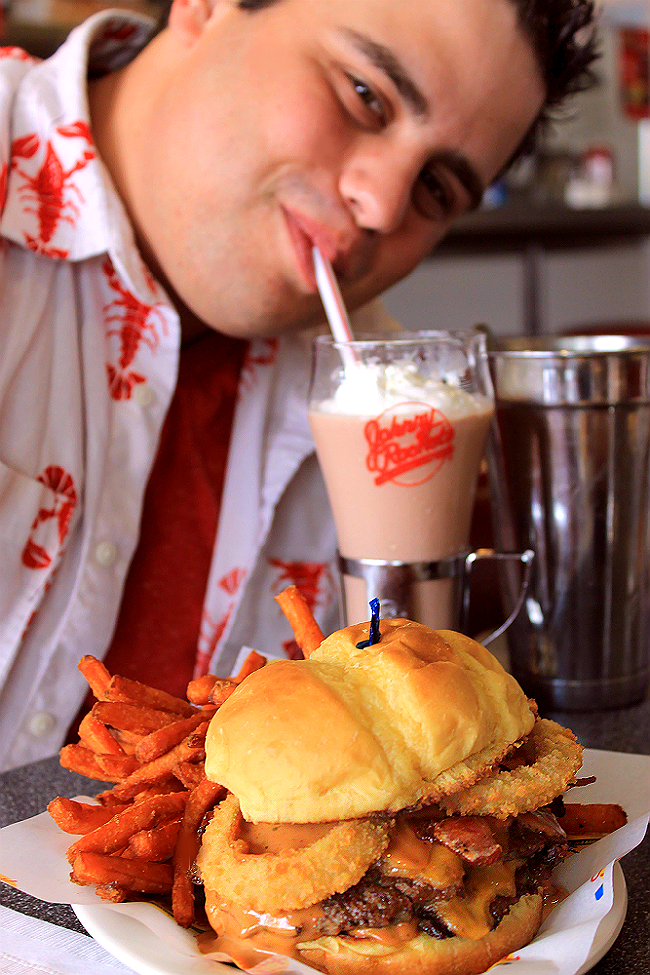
point(369, 389)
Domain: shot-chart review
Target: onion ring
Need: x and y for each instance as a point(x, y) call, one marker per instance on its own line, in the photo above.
point(554, 757)
point(292, 879)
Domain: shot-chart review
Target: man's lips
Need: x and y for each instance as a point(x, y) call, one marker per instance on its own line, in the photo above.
point(305, 235)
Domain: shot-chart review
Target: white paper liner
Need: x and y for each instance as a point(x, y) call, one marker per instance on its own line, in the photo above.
point(32, 858)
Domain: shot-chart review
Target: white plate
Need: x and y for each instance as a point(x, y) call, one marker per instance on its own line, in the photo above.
point(610, 927)
point(136, 946)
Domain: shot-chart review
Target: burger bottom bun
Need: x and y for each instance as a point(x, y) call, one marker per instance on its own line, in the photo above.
point(424, 955)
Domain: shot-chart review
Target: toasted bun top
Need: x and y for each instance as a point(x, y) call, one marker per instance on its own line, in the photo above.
point(353, 731)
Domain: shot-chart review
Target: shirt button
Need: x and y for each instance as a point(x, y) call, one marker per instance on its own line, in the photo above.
point(143, 395)
point(105, 554)
point(40, 724)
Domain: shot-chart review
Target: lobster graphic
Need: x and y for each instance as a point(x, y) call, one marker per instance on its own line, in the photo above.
point(137, 324)
point(261, 353)
point(35, 555)
point(209, 637)
point(50, 186)
point(232, 580)
point(4, 172)
point(17, 54)
point(213, 630)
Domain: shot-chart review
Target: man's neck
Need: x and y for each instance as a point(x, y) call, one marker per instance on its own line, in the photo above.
point(191, 328)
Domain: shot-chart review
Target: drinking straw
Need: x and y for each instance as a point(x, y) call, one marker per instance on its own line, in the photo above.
point(335, 309)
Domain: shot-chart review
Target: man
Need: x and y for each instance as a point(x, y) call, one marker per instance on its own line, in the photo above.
point(160, 208)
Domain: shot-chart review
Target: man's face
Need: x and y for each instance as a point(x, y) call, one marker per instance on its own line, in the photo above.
point(363, 126)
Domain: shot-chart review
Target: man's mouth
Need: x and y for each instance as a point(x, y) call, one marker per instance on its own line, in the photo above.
point(306, 234)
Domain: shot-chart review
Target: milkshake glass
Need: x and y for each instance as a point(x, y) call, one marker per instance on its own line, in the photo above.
point(400, 426)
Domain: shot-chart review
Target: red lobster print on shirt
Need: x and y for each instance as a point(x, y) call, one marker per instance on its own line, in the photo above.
point(209, 637)
point(213, 630)
point(4, 172)
point(51, 189)
point(17, 53)
point(137, 323)
point(262, 352)
point(35, 555)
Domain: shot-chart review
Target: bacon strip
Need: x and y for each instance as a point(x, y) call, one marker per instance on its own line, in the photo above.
point(470, 837)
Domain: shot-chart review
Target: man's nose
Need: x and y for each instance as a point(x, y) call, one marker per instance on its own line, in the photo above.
point(378, 188)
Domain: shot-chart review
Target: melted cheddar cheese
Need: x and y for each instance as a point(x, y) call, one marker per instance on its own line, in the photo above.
point(470, 916)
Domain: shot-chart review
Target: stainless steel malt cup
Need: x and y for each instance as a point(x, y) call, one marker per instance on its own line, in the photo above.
point(395, 584)
point(569, 468)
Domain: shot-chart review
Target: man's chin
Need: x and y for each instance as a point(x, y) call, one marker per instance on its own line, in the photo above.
point(274, 311)
point(273, 325)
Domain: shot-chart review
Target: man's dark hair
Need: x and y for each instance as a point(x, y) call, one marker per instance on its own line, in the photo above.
point(562, 35)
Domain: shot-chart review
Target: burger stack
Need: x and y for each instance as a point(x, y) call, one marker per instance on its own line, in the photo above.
point(390, 808)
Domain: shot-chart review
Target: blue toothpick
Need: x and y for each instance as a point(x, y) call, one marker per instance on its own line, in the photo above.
point(374, 636)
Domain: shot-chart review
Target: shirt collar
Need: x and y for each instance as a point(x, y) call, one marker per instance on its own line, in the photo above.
point(60, 199)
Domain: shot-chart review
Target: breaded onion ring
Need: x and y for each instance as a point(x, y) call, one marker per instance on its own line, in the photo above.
point(276, 882)
point(554, 757)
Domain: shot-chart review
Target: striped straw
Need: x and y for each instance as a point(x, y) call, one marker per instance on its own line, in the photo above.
point(335, 309)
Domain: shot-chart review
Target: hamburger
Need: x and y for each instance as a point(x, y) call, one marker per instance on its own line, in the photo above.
point(389, 808)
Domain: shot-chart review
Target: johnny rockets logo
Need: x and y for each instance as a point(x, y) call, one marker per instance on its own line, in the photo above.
point(408, 448)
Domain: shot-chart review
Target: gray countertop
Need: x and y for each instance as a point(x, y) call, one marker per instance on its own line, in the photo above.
point(26, 791)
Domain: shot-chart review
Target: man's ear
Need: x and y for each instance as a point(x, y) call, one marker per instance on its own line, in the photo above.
point(188, 17)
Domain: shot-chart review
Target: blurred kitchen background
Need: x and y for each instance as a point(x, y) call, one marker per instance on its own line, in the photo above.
point(563, 243)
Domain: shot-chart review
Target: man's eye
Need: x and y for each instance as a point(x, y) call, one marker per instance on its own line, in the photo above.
point(433, 196)
point(370, 100)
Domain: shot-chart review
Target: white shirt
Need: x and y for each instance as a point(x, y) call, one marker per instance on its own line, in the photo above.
point(89, 348)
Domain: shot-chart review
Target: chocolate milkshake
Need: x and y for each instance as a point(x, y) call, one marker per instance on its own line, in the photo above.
point(400, 451)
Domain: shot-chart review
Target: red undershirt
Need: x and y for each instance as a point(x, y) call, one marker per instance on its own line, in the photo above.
point(156, 636)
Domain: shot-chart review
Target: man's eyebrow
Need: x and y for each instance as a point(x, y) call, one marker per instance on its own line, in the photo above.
point(464, 173)
point(384, 59)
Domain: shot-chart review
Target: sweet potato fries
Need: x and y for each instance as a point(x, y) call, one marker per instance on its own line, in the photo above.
point(142, 836)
